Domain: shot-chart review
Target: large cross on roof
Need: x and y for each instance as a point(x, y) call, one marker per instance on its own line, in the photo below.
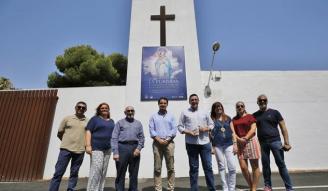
point(162, 18)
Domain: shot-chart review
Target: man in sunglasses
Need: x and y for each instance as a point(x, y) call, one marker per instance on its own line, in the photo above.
point(267, 121)
point(127, 141)
point(71, 132)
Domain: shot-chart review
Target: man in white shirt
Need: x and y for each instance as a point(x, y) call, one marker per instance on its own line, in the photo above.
point(196, 124)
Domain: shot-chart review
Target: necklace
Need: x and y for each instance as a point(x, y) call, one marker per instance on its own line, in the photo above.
point(222, 129)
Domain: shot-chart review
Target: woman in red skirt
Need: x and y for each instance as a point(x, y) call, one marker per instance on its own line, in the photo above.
point(248, 146)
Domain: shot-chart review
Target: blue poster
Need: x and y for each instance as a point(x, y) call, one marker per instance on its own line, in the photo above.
point(163, 73)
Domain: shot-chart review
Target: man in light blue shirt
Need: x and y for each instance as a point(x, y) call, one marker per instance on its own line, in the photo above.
point(162, 127)
point(196, 124)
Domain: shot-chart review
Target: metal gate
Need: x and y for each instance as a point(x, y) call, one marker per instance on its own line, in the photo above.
point(25, 125)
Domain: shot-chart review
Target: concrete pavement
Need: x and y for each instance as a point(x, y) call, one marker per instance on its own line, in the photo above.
point(303, 181)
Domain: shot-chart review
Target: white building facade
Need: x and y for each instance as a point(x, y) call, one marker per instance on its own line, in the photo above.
point(301, 96)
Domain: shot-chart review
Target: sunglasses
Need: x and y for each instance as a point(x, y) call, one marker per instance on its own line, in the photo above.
point(240, 106)
point(130, 110)
point(263, 100)
point(81, 107)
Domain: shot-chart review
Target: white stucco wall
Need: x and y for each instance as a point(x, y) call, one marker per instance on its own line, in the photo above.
point(301, 97)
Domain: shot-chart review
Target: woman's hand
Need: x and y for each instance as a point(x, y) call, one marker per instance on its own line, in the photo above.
point(88, 149)
point(235, 148)
point(116, 157)
point(242, 141)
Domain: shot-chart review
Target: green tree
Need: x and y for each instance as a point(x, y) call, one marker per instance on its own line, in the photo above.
point(83, 66)
point(120, 63)
point(5, 84)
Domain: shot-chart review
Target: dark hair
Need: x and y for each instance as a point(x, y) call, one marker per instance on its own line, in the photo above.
point(162, 98)
point(213, 114)
point(193, 95)
point(81, 102)
point(98, 109)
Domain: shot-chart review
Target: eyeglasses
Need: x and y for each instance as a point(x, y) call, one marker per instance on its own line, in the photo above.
point(81, 107)
point(263, 100)
point(240, 106)
point(105, 108)
point(130, 110)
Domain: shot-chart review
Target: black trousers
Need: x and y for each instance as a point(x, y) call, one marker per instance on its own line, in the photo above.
point(126, 159)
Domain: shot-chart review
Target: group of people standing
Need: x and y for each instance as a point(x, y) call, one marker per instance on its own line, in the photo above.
point(204, 133)
point(99, 137)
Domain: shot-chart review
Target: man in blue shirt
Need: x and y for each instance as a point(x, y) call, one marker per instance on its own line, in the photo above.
point(127, 141)
point(196, 124)
point(267, 121)
point(163, 129)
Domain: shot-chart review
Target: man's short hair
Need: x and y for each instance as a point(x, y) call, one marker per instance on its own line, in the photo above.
point(193, 95)
point(81, 102)
point(162, 98)
point(262, 95)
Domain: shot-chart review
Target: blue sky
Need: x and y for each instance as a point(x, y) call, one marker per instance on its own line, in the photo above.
point(254, 34)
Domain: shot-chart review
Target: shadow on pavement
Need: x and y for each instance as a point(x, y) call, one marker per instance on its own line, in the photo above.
point(105, 189)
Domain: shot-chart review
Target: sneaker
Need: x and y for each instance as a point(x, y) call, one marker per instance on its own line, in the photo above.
point(267, 188)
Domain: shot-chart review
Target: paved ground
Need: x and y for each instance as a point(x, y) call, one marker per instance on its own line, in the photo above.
point(306, 181)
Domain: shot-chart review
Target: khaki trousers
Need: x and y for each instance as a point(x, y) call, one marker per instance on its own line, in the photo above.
point(168, 152)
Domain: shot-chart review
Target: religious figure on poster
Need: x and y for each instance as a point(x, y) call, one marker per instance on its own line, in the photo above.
point(162, 64)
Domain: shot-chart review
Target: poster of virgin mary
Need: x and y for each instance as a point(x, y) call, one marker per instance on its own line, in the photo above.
point(163, 73)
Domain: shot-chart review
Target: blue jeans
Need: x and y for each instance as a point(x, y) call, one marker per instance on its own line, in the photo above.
point(278, 153)
point(205, 154)
point(63, 159)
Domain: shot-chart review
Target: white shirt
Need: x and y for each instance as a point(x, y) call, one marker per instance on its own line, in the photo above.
point(193, 119)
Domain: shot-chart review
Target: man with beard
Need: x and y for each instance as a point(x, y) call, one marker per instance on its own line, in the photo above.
point(267, 121)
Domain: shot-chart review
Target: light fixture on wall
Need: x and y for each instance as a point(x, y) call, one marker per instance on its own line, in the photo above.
point(207, 90)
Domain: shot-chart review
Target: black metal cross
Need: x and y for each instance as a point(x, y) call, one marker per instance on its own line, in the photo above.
point(162, 18)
